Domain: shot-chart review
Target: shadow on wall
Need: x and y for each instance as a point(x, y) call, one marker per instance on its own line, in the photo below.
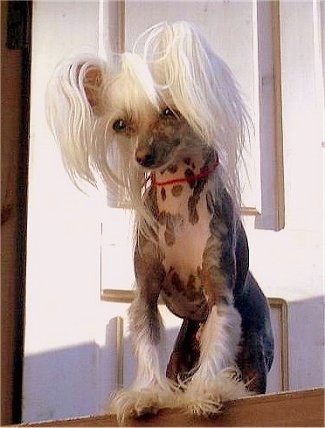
point(306, 343)
point(60, 384)
point(70, 382)
point(77, 381)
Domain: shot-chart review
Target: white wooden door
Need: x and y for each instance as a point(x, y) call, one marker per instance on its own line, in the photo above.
point(74, 340)
point(63, 352)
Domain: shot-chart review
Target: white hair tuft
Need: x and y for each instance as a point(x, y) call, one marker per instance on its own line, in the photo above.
point(175, 66)
point(201, 86)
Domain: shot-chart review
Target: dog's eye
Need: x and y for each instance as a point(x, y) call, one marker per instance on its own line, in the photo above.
point(119, 125)
point(168, 112)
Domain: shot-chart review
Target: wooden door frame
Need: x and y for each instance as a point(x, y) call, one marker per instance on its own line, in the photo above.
point(15, 95)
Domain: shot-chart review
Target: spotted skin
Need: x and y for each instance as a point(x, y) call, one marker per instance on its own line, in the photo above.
point(171, 222)
point(177, 190)
point(163, 194)
point(189, 174)
point(195, 277)
point(191, 248)
point(199, 263)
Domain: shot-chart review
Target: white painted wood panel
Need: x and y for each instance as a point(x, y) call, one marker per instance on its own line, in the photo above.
point(63, 239)
point(70, 342)
point(229, 27)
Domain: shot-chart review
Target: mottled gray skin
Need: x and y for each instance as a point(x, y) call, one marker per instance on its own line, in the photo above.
point(191, 247)
point(223, 278)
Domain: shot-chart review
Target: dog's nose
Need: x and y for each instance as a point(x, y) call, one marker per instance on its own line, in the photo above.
point(145, 157)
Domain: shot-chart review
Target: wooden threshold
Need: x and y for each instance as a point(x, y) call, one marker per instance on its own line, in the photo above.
point(299, 408)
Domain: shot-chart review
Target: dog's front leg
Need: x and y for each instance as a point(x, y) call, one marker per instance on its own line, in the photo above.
point(150, 390)
point(216, 378)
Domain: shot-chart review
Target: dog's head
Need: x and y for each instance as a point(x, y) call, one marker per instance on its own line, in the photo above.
point(173, 99)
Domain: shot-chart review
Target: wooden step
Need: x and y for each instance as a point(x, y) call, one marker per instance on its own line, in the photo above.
point(299, 408)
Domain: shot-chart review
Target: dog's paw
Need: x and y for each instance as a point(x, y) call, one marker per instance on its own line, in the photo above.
point(203, 404)
point(129, 403)
point(132, 403)
point(205, 397)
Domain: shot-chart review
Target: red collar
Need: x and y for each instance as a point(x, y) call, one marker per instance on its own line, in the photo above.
point(205, 172)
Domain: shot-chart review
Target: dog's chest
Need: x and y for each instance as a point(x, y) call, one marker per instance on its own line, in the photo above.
point(184, 229)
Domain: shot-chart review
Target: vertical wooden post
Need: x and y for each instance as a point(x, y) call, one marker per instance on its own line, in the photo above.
point(15, 66)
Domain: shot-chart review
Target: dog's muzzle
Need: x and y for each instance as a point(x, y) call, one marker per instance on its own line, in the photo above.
point(145, 156)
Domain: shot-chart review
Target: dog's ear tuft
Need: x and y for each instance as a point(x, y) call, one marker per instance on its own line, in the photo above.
point(93, 81)
point(91, 75)
point(74, 107)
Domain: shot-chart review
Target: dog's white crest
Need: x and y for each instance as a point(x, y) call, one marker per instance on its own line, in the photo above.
point(201, 86)
point(185, 72)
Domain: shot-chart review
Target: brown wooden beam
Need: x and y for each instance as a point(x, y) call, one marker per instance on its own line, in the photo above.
point(15, 71)
point(291, 409)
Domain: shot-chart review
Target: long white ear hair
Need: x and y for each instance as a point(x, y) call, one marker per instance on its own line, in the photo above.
point(74, 108)
point(80, 111)
point(202, 88)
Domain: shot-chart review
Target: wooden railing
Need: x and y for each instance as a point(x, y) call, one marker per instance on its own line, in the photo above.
point(298, 408)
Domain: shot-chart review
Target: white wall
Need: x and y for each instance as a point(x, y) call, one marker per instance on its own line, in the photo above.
point(63, 250)
point(70, 350)
point(289, 263)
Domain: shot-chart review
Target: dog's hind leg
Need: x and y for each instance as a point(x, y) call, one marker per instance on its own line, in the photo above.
point(186, 352)
point(253, 363)
point(257, 346)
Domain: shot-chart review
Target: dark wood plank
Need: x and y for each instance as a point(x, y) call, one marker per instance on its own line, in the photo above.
point(14, 150)
point(298, 408)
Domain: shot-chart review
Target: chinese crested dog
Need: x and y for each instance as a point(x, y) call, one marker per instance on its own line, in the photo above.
point(167, 129)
